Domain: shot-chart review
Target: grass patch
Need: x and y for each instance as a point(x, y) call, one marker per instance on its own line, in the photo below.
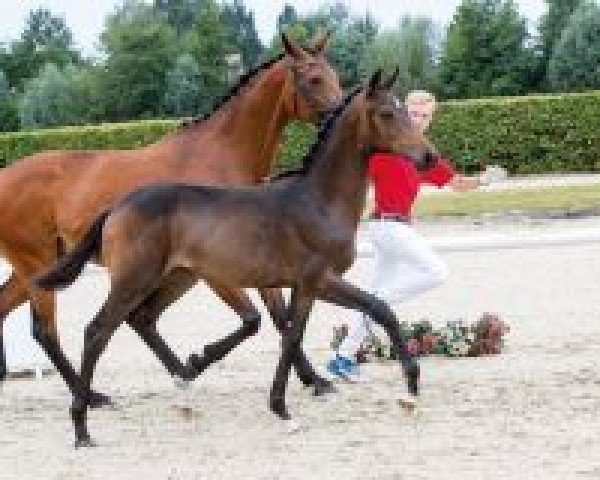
point(549, 199)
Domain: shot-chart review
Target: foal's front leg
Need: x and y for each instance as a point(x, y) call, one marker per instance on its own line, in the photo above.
point(298, 311)
point(273, 300)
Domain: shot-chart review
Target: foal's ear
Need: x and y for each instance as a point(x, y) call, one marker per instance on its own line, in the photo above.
point(374, 82)
point(321, 41)
point(389, 83)
point(292, 48)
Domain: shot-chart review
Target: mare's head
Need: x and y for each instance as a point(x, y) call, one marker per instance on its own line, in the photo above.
point(387, 125)
point(312, 85)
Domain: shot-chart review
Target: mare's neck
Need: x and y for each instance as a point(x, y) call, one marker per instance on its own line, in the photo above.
point(247, 129)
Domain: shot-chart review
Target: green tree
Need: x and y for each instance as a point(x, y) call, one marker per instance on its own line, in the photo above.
point(410, 46)
point(186, 93)
point(243, 36)
point(56, 98)
point(140, 48)
point(553, 22)
point(182, 15)
point(208, 43)
point(576, 57)
point(45, 39)
point(485, 51)
point(349, 51)
point(9, 118)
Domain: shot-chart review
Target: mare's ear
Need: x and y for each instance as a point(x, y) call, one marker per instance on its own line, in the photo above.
point(320, 43)
point(374, 83)
point(292, 48)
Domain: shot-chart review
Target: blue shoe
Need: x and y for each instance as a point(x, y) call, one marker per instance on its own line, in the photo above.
point(337, 366)
point(343, 367)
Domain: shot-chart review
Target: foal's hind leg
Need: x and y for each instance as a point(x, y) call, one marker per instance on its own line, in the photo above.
point(336, 290)
point(12, 294)
point(275, 303)
point(250, 316)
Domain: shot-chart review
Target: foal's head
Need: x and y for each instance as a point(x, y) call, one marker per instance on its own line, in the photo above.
point(387, 124)
point(313, 86)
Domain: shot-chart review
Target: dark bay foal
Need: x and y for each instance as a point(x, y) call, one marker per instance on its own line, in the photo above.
point(298, 232)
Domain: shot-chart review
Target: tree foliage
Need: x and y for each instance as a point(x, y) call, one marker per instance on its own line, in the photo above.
point(45, 39)
point(574, 64)
point(241, 29)
point(9, 119)
point(185, 94)
point(140, 48)
point(411, 47)
point(56, 97)
point(485, 51)
point(208, 43)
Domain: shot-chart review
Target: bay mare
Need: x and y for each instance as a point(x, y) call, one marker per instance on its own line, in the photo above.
point(50, 199)
point(298, 232)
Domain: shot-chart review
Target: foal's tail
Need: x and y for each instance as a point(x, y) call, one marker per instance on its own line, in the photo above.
point(70, 265)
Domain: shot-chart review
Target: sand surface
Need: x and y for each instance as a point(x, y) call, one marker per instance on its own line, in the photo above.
point(531, 413)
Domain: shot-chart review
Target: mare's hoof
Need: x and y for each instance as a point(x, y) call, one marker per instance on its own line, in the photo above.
point(412, 373)
point(323, 387)
point(197, 364)
point(84, 443)
point(99, 400)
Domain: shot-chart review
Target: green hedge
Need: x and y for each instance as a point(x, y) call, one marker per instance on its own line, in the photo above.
point(524, 134)
point(535, 134)
point(16, 145)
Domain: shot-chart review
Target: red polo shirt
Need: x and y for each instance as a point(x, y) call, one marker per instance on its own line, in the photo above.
point(397, 181)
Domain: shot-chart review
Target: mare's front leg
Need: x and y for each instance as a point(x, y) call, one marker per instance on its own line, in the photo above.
point(275, 304)
point(336, 290)
point(241, 304)
point(299, 309)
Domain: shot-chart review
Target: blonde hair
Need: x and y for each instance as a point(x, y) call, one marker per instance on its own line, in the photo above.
point(421, 98)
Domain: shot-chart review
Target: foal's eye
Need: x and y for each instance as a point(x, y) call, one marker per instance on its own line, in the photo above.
point(315, 81)
point(387, 115)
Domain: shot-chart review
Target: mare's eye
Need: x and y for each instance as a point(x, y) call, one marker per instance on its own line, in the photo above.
point(316, 81)
point(387, 115)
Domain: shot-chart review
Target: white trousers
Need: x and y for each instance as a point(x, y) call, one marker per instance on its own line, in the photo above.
point(405, 265)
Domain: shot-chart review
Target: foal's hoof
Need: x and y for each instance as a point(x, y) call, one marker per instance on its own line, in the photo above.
point(323, 387)
point(277, 406)
point(99, 400)
point(182, 384)
point(86, 442)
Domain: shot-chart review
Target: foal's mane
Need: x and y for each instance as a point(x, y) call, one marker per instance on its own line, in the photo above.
point(233, 91)
point(325, 128)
